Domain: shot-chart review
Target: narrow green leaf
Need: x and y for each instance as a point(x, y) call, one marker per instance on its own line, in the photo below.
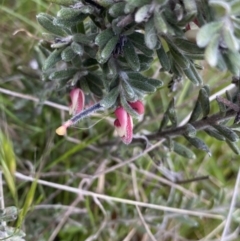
point(204, 101)
point(192, 74)
point(46, 21)
point(183, 151)
point(198, 143)
point(171, 112)
point(144, 87)
point(163, 58)
point(227, 132)
point(131, 56)
point(52, 59)
point(197, 111)
point(63, 74)
point(128, 90)
point(233, 146)
point(214, 133)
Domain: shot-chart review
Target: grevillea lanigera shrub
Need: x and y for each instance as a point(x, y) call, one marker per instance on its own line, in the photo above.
point(105, 49)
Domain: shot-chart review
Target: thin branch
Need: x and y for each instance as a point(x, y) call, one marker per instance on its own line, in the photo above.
point(231, 209)
point(198, 125)
point(136, 193)
point(79, 191)
point(211, 98)
point(34, 99)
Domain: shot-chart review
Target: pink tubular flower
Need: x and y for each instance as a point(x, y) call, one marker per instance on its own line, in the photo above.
point(124, 125)
point(77, 101)
point(138, 106)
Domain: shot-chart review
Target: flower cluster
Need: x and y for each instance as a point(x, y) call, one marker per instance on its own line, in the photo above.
point(123, 123)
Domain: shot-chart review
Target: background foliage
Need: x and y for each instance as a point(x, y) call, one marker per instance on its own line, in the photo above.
point(180, 197)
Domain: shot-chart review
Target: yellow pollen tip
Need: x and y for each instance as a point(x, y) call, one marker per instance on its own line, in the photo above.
point(61, 131)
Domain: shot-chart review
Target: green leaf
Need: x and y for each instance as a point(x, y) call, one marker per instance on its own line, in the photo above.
point(183, 151)
point(77, 48)
point(103, 37)
point(206, 33)
point(108, 49)
point(127, 107)
point(227, 132)
point(144, 87)
point(232, 61)
point(235, 7)
point(163, 58)
point(131, 56)
point(171, 112)
point(8, 214)
point(63, 2)
point(211, 52)
point(68, 54)
point(139, 42)
point(83, 38)
point(52, 59)
point(145, 62)
point(117, 9)
point(187, 46)
point(197, 111)
point(221, 8)
point(230, 40)
point(192, 75)
point(140, 78)
point(214, 133)
point(128, 90)
point(63, 74)
point(69, 14)
point(110, 99)
point(198, 143)
point(204, 101)
point(159, 21)
point(143, 13)
point(233, 146)
point(151, 38)
point(164, 122)
point(46, 21)
point(179, 58)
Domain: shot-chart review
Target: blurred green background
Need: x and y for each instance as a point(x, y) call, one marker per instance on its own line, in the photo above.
point(29, 144)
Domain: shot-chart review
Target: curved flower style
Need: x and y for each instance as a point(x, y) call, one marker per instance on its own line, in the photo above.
point(124, 123)
point(77, 101)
